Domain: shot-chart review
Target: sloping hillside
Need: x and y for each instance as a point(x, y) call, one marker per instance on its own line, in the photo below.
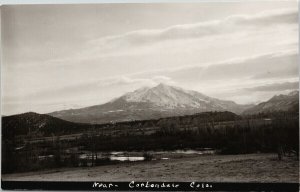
point(37, 124)
point(289, 102)
point(150, 103)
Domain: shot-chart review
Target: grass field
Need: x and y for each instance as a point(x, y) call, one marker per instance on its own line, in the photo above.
point(210, 168)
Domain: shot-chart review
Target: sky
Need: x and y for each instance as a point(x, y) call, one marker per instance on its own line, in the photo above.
point(57, 57)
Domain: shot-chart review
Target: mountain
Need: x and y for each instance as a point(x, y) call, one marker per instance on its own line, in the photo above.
point(37, 124)
point(149, 103)
point(289, 102)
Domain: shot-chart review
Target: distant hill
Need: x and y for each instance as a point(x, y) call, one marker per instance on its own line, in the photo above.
point(150, 103)
point(37, 124)
point(289, 102)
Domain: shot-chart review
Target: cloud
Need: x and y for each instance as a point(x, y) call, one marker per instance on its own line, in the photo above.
point(263, 92)
point(90, 88)
point(216, 35)
point(199, 56)
point(210, 77)
point(197, 30)
point(274, 87)
point(266, 66)
point(192, 42)
point(126, 80)
point(283, 16)
point(277, 73)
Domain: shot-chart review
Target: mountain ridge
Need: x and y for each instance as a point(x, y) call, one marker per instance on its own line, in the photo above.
point(149, 103)
point(35, 123)
point(289, 102)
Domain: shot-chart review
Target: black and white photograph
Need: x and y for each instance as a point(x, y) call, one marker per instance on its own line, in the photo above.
point(192, 92)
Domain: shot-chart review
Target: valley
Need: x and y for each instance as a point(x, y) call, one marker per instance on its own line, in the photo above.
point(149, 103)
point(163, 126)
point(211, 168)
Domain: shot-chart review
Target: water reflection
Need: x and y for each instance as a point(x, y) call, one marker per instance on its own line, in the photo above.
point(117, 152)
point(139, 156)
point(117, 158)
point(190, 152)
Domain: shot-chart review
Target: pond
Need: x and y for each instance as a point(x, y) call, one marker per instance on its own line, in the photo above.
point(199, 152)
point(129, 156)
point(116, 158)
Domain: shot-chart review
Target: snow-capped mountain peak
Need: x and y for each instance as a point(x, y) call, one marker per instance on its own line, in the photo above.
point(149, 103)
point(167, 96)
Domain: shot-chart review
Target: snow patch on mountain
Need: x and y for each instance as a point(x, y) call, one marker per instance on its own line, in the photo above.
point(167, 96)
point(150, 103)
